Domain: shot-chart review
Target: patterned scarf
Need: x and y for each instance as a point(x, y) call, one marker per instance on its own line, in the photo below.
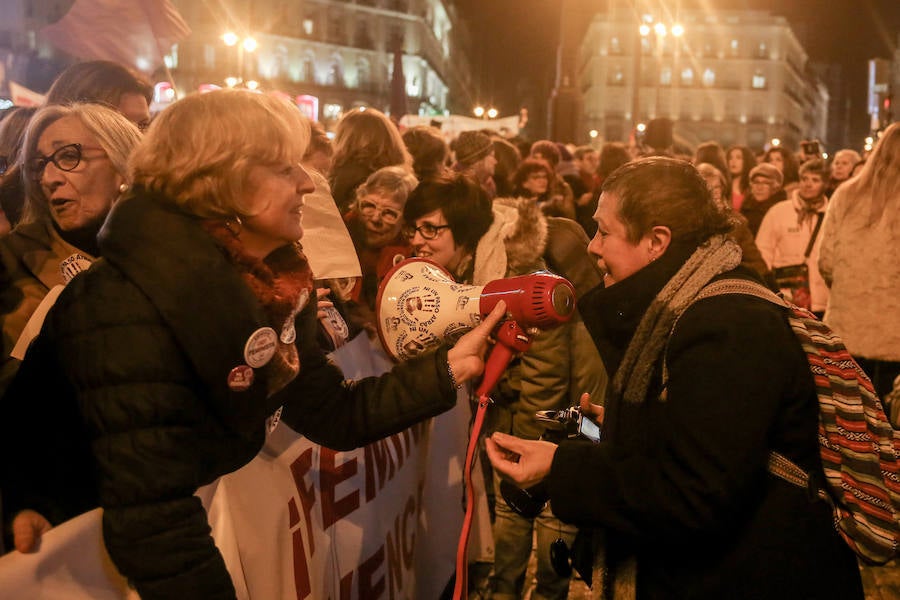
point(283, 284)
point(807, 209)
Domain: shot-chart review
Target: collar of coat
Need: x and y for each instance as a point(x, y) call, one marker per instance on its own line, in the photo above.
point(515, 242)
point(201, 297)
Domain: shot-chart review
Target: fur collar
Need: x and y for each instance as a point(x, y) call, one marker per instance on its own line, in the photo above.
point(515, 242)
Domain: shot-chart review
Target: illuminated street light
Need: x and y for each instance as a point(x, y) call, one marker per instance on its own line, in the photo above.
point(252, 85)
point(644, 29)
point(776, 142)
point(593, 133)
point(492, 113)
point(660, 29)
point(250, 44)
point(231, 81)
point(641, 127)
point(478, 111)
point(677, 30)
point(230, 38)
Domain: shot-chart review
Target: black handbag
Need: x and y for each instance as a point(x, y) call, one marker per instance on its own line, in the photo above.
point(793, 280)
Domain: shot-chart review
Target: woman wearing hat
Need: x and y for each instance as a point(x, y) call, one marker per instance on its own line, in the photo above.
point(475, 157)
point(765, 192)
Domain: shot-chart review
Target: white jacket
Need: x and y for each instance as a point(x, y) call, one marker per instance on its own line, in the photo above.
point(782, 240)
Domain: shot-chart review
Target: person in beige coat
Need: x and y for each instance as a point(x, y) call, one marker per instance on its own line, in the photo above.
point(858, 258)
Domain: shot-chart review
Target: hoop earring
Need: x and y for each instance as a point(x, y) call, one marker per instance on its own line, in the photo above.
point(234, 225)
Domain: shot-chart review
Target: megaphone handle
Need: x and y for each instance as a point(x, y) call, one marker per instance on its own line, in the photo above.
point(511, 338)
point(461, 587)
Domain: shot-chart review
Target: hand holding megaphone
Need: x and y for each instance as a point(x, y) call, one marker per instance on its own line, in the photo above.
point(466, 358)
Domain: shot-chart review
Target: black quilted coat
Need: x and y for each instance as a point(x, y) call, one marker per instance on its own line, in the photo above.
point(123, 401)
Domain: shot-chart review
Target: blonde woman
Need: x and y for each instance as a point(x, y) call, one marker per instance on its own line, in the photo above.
point(858, 260)
point(159, 366)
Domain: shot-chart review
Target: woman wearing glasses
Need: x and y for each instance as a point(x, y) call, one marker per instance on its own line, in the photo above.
point(374, 222)
point(75, 167)
point(451, 221)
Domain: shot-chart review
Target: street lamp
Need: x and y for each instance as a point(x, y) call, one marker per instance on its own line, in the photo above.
point(485, 113)
point(245, 44)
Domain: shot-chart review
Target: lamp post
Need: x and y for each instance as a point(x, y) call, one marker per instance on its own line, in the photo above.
point(660, 30)
point(246, 44)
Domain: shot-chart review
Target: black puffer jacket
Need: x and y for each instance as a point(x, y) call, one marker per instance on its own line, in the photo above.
point(133, 363)
point(680, 481)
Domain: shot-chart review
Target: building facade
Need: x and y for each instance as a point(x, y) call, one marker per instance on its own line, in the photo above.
point(333, 55)
point(736, 77)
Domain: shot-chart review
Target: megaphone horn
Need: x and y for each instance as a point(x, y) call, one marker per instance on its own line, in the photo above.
point(419, 305)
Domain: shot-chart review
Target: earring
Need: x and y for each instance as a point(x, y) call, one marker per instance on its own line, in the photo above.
point(124, 188)
point(234, 225)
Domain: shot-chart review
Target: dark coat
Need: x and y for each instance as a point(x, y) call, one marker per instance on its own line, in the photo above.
point(680, 483)
point(132, 368)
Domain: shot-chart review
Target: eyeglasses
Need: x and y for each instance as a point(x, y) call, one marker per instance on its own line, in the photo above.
point(426, 230)
point(66, 158)
point(4, 165)
point(369, 209)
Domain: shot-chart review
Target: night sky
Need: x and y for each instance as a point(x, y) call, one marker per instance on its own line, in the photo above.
point(516, 40)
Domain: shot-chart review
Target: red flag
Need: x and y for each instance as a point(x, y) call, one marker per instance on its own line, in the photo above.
point(137, 33)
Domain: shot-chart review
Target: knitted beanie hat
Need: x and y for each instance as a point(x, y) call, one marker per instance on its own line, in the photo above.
point(472, 146)
point(769, 171)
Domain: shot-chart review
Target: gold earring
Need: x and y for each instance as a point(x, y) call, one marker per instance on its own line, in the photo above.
point(234, 225)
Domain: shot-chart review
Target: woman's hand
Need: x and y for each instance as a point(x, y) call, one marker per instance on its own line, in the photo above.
point(591, 410)
point(322, 302)
point(466, 358)
point(28, 526)
point(524, 462)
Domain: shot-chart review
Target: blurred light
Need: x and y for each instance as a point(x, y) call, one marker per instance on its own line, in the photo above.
point(825, 155)
point(868, 147)
point(250, 44)
point(252, 85)
point(231, 81)
point(478, 111)
point(776, 142)
point(870, 140)
point(641, 127)
point(660, 29)
point(492, 113)
point(677, 30)
point(644, 29)
point(4, 103)
point(593, 133)
point(230, 38)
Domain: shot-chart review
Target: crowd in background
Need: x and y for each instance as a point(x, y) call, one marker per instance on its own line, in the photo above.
point(483, 207)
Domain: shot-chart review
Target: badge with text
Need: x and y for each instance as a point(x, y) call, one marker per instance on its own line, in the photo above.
point(240, 378)
point(73, 265)
point(260, 347)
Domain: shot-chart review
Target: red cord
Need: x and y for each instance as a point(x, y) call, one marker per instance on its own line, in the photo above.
point(460, 589)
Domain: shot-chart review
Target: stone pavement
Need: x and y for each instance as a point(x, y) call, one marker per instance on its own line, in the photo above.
point(879, 583)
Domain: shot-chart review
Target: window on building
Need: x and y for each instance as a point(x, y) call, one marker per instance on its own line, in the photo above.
point(308, 26)
point(335, 74)
point(762, 51)
point(687, 76)
point(709, 78)
point(645, 46)
point(617, 76)
point(209, 56)
point(614, 46)
point(332, 111)
point(735, 48)
point(308, 72)
point(363, 39)
point(336, 28)
point(665, 76)
point(363, 73)
point(759, 80)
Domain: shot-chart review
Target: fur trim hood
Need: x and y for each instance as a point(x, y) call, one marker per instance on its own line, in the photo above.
point(515, 242)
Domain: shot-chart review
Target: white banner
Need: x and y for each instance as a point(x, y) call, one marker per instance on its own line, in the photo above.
point(302, 521)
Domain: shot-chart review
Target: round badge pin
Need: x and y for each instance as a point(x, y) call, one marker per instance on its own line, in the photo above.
point(240, 378)
point(260, 347)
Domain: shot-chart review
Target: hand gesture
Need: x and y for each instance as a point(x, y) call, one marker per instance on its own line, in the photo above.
point(524, 462)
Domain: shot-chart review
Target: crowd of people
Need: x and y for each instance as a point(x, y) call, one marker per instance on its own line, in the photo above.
point(118, 232)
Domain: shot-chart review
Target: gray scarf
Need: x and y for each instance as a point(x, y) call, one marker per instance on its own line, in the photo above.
point(632, 380)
